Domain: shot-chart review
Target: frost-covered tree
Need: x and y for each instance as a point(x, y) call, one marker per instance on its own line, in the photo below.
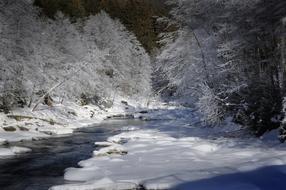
point(13, 20)
point(95, 57)
point(126, 62)
point(235, 50)
point(209, 104)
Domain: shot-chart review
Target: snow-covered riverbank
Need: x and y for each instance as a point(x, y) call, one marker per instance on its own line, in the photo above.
point(165, 158)
point(23, 124)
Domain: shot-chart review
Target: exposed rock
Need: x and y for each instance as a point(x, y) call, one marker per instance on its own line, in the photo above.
point(110, 150)
point(21, 128)
point(121, 116)
point(124, 102)
point(9, 129)
point(143, 111)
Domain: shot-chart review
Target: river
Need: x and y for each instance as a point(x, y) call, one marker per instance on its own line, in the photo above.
point(45, 166)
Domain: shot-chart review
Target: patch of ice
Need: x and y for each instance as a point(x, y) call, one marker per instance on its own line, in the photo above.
point(12, 151)
point(6, 152)
point(3, 141)
point(103, 144)
point(20, 150)
point(144, 135)
point(129, 128)
point(207, 148)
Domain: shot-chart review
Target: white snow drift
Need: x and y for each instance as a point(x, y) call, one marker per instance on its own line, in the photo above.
point(156, 160)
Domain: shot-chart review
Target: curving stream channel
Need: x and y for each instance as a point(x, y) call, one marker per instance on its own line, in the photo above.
point(45, 166)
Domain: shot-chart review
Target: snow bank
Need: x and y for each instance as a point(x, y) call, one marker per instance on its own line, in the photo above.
point(3, 141)
point(5, 152)
point(8, 152)
point(61, 119)
point(20, 150)
point(156, 160)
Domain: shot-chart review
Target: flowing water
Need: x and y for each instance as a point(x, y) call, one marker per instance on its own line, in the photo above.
point(45, 166)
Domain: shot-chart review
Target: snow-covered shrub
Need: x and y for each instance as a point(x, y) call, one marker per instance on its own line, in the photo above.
point(210, 105)
point(282, 130)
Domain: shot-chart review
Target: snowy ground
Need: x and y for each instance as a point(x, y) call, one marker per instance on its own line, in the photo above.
point(61, 119)
point(176, 154)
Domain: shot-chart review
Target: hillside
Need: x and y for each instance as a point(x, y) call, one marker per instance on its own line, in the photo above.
point(140, 17)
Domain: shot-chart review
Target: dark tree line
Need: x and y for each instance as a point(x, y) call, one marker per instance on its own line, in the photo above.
point(137, 16)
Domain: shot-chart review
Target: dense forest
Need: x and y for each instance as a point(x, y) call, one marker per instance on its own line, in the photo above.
point(225, 58)
point(96, 62)
point(232, 62)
